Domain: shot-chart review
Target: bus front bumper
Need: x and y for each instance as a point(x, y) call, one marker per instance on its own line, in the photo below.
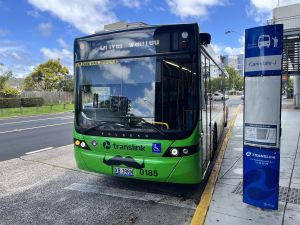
point(185, 170)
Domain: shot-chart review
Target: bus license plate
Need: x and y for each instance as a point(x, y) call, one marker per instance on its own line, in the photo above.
point(123, 171)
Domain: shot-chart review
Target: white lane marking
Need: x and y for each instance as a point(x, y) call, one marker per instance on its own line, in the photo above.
point(32, 128)
point(40, 150)
point(135, 195)
point(27, 121)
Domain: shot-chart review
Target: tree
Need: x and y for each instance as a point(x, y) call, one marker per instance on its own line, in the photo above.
point(6, 91)
point(235, 81)
point(67, 84)
point(4, 78)
point(47, 76)
point(216, 84)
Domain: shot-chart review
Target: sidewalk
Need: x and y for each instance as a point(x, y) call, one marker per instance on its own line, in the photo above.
point(227, 206)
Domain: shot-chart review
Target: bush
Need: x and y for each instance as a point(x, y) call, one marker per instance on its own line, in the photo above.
point(9, 92)
point(29, 102)
point(18, 102)
point(10, 102)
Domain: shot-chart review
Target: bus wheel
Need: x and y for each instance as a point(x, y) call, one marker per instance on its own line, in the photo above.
point(215, 141)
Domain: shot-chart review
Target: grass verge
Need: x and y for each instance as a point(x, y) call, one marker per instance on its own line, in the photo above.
point(30, 111)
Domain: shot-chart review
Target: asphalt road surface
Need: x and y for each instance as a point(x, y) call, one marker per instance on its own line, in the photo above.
point(234, 100)
point(19, 136)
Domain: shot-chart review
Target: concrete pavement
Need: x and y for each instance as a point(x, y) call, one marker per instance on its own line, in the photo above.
point(227, 206)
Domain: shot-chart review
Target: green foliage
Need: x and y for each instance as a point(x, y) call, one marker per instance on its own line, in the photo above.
point(235, 81)
point(10, 102)
point(9, 92)
point(4, 78)
point(216, 84)
point(46, 76)
point(18, 102)
point(29, 102)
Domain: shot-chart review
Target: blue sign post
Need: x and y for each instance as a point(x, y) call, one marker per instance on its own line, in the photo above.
point(261, 155)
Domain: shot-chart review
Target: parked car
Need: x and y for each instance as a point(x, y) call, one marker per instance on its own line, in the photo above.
point(218, 96)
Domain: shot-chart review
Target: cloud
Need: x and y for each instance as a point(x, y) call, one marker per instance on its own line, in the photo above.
point(193, 8)
point(226, 50)
point(45, 29)
point(62, 43)
point(65, 56)
point(15, 57)
point(144, 106)
point(233, 51)
point(131, 3)
point(34, 13)
point(261, 10)
point(88, 17)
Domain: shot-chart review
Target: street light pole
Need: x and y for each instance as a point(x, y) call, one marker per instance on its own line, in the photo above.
point(232, 31)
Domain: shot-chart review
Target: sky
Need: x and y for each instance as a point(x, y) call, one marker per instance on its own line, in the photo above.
point(33, 31)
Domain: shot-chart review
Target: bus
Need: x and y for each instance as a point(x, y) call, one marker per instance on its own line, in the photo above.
point(144, 108)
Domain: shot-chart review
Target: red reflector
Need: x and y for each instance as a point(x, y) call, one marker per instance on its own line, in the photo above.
point(183, 45)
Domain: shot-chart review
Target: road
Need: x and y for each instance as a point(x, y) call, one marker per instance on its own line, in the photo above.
point(234, 100)
point(19, 136)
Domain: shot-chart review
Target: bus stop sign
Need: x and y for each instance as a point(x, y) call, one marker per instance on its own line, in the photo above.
point(263, 50)
point(262, 107)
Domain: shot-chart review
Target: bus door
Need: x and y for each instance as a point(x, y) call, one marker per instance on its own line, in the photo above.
point(206, 111)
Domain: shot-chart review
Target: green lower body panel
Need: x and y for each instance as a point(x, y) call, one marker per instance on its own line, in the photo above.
point(185, 170)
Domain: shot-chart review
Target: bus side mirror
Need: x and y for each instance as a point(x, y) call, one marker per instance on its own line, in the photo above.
point(204, 38)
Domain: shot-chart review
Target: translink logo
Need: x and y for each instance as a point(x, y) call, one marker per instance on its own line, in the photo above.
point(106, 145)
point(132, 147)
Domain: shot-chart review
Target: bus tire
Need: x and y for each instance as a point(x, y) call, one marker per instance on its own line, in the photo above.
point(215, 141)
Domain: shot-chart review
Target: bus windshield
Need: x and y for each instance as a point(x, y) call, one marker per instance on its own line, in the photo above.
point(155, 94)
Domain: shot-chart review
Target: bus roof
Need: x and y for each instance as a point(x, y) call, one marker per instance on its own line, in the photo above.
point(131, 28)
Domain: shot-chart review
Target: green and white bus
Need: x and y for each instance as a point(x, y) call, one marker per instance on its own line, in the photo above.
point(143, 106)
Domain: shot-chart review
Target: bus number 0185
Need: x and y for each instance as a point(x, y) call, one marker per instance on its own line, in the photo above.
point(149, 173)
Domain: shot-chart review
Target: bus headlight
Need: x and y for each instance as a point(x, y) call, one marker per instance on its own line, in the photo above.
point(185, 151)
point(174, 152)
point(182, 151)
point(81, 144)
point(77, 142)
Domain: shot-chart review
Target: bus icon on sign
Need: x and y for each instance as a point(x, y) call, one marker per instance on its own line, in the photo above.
point(264, 40)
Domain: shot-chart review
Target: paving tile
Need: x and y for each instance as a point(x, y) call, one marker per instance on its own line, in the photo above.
point(215, 218)
point(292, 215)
point(228, 203)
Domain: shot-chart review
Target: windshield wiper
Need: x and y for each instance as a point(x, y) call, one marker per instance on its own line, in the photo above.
point(153, 126)
point(145, 122)
point(102, 123)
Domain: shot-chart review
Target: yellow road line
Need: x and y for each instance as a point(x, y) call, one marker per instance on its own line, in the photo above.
point(203, 206)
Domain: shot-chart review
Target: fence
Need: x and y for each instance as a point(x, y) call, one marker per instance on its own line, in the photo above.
point(50, 97)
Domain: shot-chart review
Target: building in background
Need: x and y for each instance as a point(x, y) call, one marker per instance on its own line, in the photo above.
point(289, 16)
point(214, 70)
point(235, 61)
